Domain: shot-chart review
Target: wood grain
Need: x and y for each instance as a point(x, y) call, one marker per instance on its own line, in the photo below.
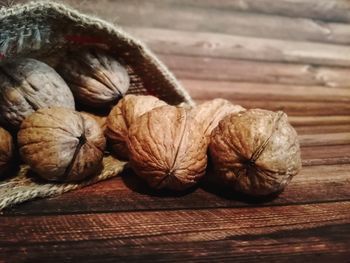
point(221, 69)
point(322, 129)
point(294, 108)
point(160, 14)
point(272, 231)
point(319, 120)
point(328, 10)
point(316, 247)
point(260, 91)
point(226, 46)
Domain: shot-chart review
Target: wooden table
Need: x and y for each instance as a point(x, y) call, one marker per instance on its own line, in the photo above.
point(280, 55)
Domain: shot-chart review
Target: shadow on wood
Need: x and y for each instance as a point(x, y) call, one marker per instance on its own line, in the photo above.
point(136, 184)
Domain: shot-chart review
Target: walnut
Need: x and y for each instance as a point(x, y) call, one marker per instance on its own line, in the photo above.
point(255, 152)
point(96, 79)
point(99, 118)
point(6, 150)
point(61, 145)
point(122, 116)
point(210, 113)
point(27, 85)
point(167, 149)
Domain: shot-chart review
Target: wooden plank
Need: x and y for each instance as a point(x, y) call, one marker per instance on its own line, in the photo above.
point(298, 230)
point(260, 91)
point(249, 48)
point(328, 10)
point(252, 220)
point(219, 69)
point(319, 120)
point(273, 248)
point(322, 129)
point(192, 18)
point(325, 155)
point(321, 183)
point(296, 108)
point(325, 139)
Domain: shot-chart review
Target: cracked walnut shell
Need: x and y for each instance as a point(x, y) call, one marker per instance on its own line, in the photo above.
point(27, 85)
point(167, 149)
point(95, 78)
point(61, 144)
point(122, 116)
point(255, 152)
point(6, 150)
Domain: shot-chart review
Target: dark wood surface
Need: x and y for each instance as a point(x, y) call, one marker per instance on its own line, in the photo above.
point(279, 55)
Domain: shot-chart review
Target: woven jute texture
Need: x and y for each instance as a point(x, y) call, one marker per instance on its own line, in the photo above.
point(46, 31)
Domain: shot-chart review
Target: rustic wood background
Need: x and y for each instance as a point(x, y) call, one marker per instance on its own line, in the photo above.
point(290, 55)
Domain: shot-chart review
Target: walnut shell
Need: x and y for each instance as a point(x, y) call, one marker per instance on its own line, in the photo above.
point(27, 85)
point(95, 78)
point(166, 148)
point(122, 116)
point(61, 144)
point(101, 119)
point(6, 150)
point(210, 113)
point(255, 152)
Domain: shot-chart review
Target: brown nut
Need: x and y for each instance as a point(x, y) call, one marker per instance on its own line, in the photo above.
point(210, 113)
point(6, 150)
point(95, 78)
point(99, 118)
point(255, 152)
point(27, 85)
point(61, 144)
point(167, 149)
point(122, 116)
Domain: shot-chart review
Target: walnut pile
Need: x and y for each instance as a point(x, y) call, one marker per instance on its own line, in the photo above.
point(61, 145)
point(255, 152)
point(167, 148)
point(6, 151)
point(122, 116)
point(210, 113)
point(27, 85)
point(96, 79)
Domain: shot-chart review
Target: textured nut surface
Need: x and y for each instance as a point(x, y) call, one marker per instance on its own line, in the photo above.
point(61, 144)
point(6, 150)
point(166, 148)
point(27, 85)
point(99, 118)
point(256, 152)
point(210, 113)
point(123, 115)
point(95, 78)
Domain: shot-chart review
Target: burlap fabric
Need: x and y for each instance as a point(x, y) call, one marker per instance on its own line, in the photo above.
point(46, 30)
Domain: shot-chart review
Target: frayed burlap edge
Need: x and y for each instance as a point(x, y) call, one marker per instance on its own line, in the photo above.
point(40, 30)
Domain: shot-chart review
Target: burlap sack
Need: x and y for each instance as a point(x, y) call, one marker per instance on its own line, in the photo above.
point(45, 31)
